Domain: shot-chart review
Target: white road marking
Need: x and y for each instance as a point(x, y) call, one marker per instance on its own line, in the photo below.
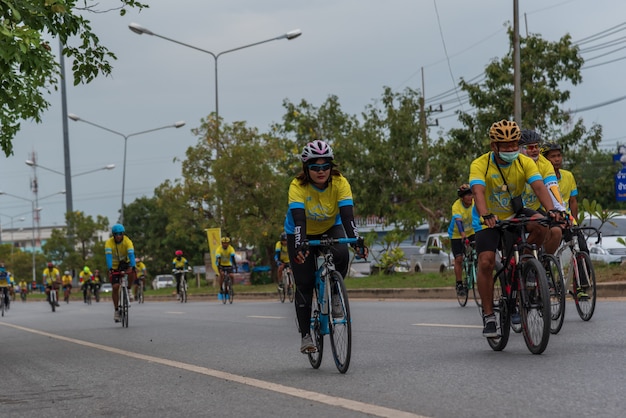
point(266, 317)
point(175, 312)
point(447, 325)
point(349, 404)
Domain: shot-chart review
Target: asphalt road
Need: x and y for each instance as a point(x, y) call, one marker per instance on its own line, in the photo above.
point(410, 358)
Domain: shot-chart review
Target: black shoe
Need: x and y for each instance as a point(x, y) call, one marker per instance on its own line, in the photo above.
point(460, 289)
point(490, 330)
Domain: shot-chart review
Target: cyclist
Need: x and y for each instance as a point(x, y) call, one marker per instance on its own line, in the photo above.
point(140, 267)
point(179, 263)
point(96, 284)
point(497, 179)
point(51, 277)
point(66, 282)
point(226, 263)
point(86, 278)
point(460, 230)
point(320, 203)
point(120, 256)
point(12, 285)
point(569, 190)
point(281, 257)
point(23, 287)
point(4, 284)
point(529, 146)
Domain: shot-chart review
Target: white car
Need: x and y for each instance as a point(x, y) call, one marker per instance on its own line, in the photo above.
point(601, 254)
point(611, 230)
point(106, 288)
point(162, 281)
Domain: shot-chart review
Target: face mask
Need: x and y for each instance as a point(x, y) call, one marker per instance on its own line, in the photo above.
point(509, 157)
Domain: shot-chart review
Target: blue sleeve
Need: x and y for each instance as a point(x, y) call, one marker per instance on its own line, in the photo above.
point(459, 225)
point(131, 257)
point(109, 258)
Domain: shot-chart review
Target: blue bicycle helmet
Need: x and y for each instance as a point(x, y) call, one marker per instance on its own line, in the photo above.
point(118, 229)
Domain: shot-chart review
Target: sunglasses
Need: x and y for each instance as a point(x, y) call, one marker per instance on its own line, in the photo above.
point(319, 167)
point(119, 234)
point(532, 146)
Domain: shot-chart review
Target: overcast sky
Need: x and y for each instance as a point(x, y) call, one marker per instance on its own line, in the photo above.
point(348, 48)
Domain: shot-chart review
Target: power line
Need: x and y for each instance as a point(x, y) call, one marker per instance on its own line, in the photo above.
point(445, 49)
point(608, 102)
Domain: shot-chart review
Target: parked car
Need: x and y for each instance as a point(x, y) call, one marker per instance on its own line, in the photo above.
point(162, 281)
point(601, 254)
point(106, 288)
point(434, 256)
point(611, 230)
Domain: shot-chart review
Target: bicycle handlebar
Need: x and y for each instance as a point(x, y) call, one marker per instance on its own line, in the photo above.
point(517, 223)
point(325, 242)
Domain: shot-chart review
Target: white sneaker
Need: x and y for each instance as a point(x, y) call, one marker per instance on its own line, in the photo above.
point(116, 316)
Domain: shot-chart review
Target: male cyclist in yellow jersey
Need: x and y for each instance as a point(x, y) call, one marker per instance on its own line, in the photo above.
point(281, 257)
point(120, 256)
point(529, 146)
point(66, 281)
point(51, 278)
point(140, 267)
point(459, 230)
point(86, 279)
point(225, 262)
point(4, 284)
point(96, 284)
point(179, 263)
point(497, 179)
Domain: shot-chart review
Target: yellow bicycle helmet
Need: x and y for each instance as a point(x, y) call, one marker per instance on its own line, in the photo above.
point(504, 131)
point(225, 239)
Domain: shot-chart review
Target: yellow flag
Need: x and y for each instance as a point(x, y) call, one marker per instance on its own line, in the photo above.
point(214, 235)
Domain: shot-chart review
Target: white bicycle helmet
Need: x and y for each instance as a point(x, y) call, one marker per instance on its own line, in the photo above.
point(316, 149)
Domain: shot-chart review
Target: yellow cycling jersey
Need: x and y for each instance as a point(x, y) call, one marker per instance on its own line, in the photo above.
point(546, 169)
point(459, 211)
point(85, 277)
point(320, 206)
point(140, 267)
point(180, 264)
point(483, 171)
point(66, 279)
point(223, 256)
point(51, 275)
point(284, 255)
point(115, 253)
point(568, 187)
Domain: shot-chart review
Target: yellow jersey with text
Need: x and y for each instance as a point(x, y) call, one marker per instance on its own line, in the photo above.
point(116, 253)
point(464, 214)
point(51, 275)
point(223, 256)
point(321, 207)
point(281, 251)
point(483, 171)
point(567, 184)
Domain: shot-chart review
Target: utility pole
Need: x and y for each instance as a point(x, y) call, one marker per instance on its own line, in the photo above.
point(517, 83)
point(423, 128)
point(34, 187)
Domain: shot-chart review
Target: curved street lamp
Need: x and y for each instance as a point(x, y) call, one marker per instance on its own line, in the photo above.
point(140, 30)
point(76, 118)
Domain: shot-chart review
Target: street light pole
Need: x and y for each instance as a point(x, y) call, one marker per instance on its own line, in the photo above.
point(34, 164)
point(125, 136)
point(140, 30)
point(34, 209)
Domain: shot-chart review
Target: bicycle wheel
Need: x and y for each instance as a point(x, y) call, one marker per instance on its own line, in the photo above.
point(585, 278)
point(535, 305)
point(231, 293)
point(340, 326)
point(183, 291)
point(125, 302)
point(501, 309)
point(140, 293)
point(557, 291)
point(462, 298)
point(88, 296)
point(291, 288)
point(282, 289)
point(2, 305)
point(315, 358)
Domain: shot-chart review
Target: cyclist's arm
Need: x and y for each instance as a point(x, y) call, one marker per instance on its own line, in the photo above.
point(347, 219)
point(573, 206)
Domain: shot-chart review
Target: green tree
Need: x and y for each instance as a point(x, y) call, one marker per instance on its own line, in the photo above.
point(27, 64)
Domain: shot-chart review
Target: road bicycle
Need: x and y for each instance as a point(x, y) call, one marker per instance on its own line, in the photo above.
point(470, 266)
point(521, 284)
point(139, 295)
point(123, 296)
point(287, 289)
point(4, 299)
point(554, 275)
point(53, 297)
point(227, 285)
point(23, 294)
point(183, 288)
point(330, 310)
point(88, 293)
point(96, 291)
point(579, 270)
point(66, 294)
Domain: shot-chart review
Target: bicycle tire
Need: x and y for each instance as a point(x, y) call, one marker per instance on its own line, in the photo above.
point(557, 291)
point(340, 328)
point(534, 305)
point(125, 303)
point(88, 297)
point(291, 288)
point(315, 358)
point(281, 289)
point(2, 304)
point(231, 293)
point(501, 309)
point(183, 291)
point(53, 300)
point(462, 299)
point(587, 306)
point(140, 293)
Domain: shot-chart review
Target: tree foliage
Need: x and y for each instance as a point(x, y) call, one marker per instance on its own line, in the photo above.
point(27, 64)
